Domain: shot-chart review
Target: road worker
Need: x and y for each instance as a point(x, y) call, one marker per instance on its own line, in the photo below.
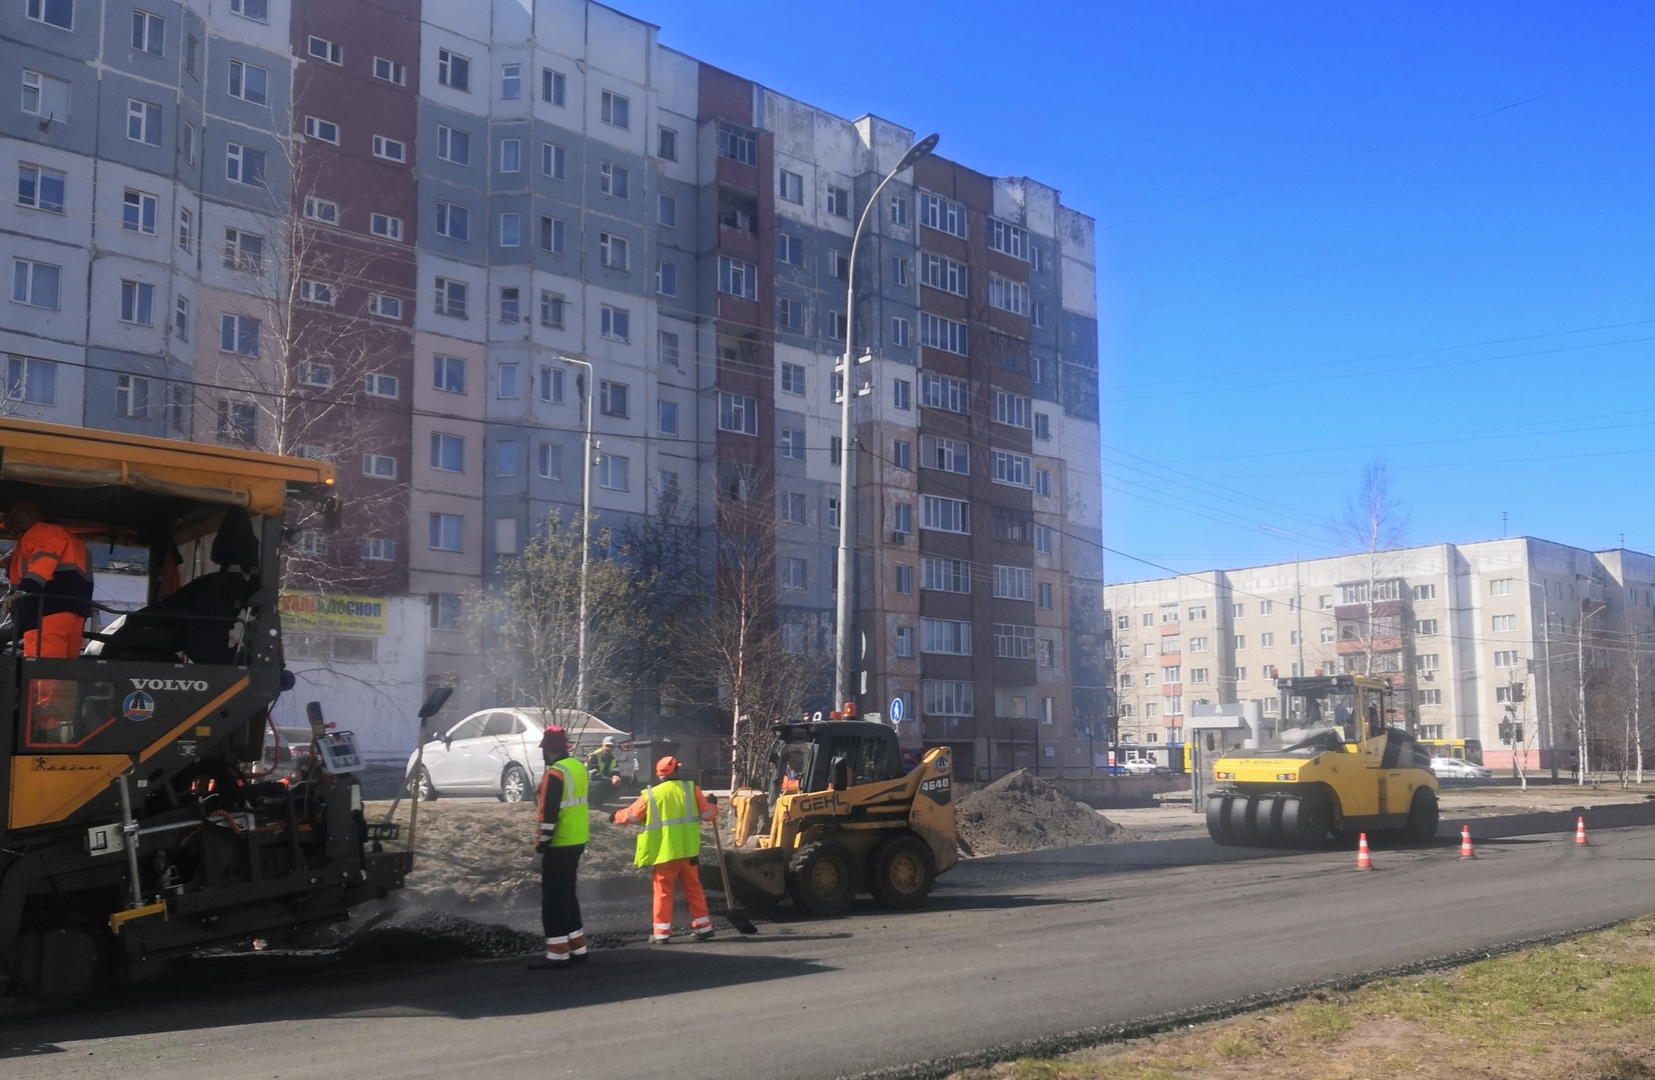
point(564, 828)
point(51, 578)
point(603, 765)
point(671, 814)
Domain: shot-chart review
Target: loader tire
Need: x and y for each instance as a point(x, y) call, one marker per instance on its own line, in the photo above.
point(901, 871)
point(822, 878)
point(1423, 817)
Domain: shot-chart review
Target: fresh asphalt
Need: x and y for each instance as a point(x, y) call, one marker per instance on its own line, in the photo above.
point(1012, 950)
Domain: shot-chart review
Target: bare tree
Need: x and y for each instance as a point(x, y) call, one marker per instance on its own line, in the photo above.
point(527, 627)
point(666, 550)
point(1374, 525)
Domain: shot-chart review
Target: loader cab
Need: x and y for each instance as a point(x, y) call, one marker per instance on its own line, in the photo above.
point(805, 757)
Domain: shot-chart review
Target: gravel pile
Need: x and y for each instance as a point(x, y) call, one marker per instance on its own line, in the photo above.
point(432, 936)
point(1021, 812)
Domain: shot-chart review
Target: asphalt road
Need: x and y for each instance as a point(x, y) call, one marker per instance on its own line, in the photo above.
point(1012, 948)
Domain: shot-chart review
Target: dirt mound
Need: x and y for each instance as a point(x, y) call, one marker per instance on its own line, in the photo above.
point(1021, 812)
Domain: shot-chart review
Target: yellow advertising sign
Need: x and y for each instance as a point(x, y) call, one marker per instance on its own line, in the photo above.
point(338, 614)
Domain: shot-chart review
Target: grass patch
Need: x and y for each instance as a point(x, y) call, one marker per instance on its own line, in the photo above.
point(1579, 1010)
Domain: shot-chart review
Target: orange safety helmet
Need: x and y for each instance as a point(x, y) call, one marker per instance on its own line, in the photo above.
point(666, 766)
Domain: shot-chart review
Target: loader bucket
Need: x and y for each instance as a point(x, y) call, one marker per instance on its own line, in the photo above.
point(757, 877)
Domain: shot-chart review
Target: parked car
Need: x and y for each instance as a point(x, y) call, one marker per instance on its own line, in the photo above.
point(1139, 767)
point(1449, 768)
point(495, 752)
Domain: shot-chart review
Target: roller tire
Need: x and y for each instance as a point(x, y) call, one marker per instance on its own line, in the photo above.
point(514, 785)
point(1239, 817)
point(901, 871)
point(821, 877)
point(1423, 817)
point(1306, 823)
point(1218, 820)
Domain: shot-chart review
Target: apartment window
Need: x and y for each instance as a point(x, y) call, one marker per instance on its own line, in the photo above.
point(1267, 641)
point(1037, 259)
point(551, 315)
point(667, 417)
point(666, 348)
point(243, 251)
point(58, 13)
point(1037, 318)
point(1425, 627)
point(238, 334)
point(1016, 526)
point(666, 211)
point(1500, 586)
point(945, 515)
point(448, 453)
point(1043, 539)
point(904, 638)
point(1505, 624)
point(838, 201)
point(666, 144)
point(385, 307)
point(898, 210)
point(1042, 425)
point(45, 96)
point(448, 374)
point(511, 82)
point(244, 165)
point(374, 549)
point(940, 333)
point(143, 122)
point(1013, 582)
point(792, 186)
point(1008, 295)
point(614, 180)
point(738, 414)
point(838, 265)
point(323, 49)
point(1014, 641)
point(148, 32)
point(1425, 592)
point(553, 86)
point(551, 234)
point(1326, 635)
point(789, 314)
point(1505, 658)
point(941, 273)
point(1240, 642)
point(551, 385)
point(131, 396)
point(511, 231)
point(613, 472)
point(793, 378)
point(1430, 697)
point(615, 110)
point(1044, 595)
point(389, 149)
point(1429, 662)
point(451, 298)
point(1010, 468)
point(902, 454)
point(385, 225)
point(946, 697)
point(613, 398)
point(942, 214)
point(249, 83)
point(1293, 637)
point(446, 532)
point(322, 210)
point(549, 461)
point(138, 303)
point(42, 189)
point(793, 444)
point(379, 466)
point(945, 575)
point(511, 307)
point(793, 572)
point(615, 323)
point(1324, 602)
point(181, 318)
point(949, 637)
point(943, 392)
point(791, 508)
point(390, 71)
point(738, 143)
point(949, 455)
point(612, 250)
point(453, 70)
point(445, 609)
point(454, 145)
point(453, 221)
point(238, 421)
point(1008, 238)
point(738, 278)
point(789, 249)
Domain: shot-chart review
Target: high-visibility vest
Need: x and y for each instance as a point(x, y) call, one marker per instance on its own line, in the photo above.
point(52, 562)
point(573, 826)
point(672, 827)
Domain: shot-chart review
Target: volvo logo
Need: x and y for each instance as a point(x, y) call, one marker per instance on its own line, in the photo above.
point(169, 684)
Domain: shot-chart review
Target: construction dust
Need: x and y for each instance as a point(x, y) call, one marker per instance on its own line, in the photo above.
point(1021, 812)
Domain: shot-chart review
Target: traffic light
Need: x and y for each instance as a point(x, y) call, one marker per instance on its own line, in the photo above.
point(1505, 731)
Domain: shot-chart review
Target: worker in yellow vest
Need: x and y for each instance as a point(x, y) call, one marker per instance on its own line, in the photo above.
point(564, 829)
point(671, 813)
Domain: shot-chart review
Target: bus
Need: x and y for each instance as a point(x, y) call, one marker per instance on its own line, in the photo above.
point(1465, 749)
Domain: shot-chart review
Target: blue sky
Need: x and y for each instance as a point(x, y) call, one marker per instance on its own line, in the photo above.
point(1327, 234)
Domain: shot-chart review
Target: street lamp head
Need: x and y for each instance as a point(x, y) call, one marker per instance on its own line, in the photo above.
point(917, 151)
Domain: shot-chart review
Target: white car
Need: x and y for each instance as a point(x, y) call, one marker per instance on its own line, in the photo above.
point(1139, 767)
point(493, 752)
point(1449, 768)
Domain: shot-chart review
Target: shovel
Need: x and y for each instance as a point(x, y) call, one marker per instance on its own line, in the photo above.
point(742, 923)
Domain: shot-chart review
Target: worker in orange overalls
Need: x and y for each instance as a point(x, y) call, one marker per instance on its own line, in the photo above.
point(671, 813)
point(51, 578)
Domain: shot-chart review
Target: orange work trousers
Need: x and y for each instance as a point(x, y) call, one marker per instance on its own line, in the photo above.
point(683, 873)
point(53, 706)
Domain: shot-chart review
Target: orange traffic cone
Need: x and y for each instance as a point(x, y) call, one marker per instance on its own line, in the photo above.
point(1465, 843)
point(1580, 831)
point(1363, 861)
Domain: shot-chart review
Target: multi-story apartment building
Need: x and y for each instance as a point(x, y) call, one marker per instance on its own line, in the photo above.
point(414, 237)
point(1473, 636)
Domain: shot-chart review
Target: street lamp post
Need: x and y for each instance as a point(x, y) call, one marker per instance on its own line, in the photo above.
point(1546, 663)
point(844, 661)
point(585, 534)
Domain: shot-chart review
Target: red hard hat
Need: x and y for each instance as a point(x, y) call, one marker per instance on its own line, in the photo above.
point(666, 766)
point(555, 739)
